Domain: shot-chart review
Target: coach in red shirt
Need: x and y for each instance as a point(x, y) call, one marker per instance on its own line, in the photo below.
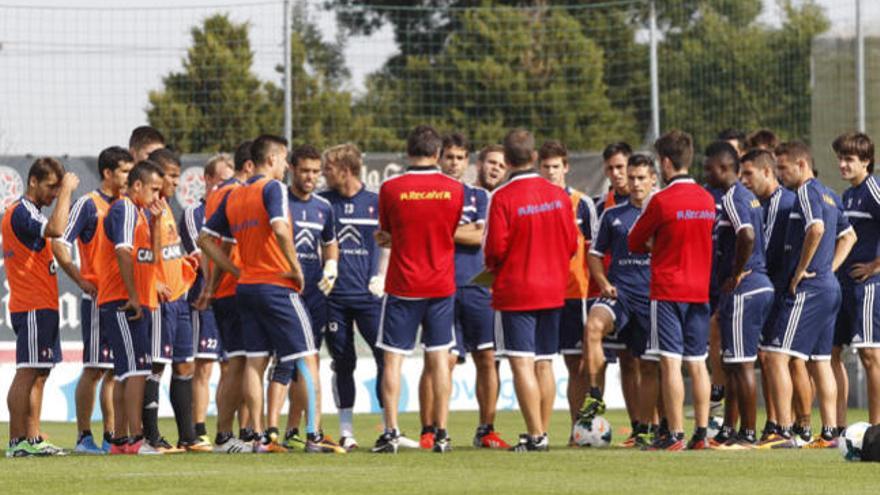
point(676, 228)
point(419, 210)
point(530, 238)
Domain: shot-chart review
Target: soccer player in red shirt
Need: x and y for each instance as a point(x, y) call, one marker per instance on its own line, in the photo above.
point(676, 228)
point(33, 298)
point(419, 211)
point(530, 239)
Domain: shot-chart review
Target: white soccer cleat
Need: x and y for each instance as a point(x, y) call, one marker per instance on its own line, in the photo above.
point(234, 446)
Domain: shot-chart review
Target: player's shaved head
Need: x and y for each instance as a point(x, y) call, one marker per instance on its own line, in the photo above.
point(144, 136)
point(264, 146)
point(519, 148)
point(165, 158)
point(142, 172)
point(760, 158)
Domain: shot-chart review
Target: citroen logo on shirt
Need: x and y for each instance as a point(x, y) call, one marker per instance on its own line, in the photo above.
point(305, 238)
point(350, 232)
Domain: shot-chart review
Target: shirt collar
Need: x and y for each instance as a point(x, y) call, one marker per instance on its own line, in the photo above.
point(522, 174)
point(422, 169)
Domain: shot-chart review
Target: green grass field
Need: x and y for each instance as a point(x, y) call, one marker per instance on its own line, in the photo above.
point(464, 471)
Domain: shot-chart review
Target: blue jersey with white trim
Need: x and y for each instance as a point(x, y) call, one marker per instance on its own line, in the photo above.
point(628, 271)
point(862, 209)
point(313, 228)
point(739, 209)
point(357, 219)
point(469, 259)
point(777, 209)
point(815, 203)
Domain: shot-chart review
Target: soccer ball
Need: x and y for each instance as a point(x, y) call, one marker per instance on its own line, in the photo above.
point(715, 425)
point(850, 444)
point(596, 433)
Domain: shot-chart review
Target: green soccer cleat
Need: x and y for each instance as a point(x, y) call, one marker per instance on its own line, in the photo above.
point(592, 407)
point(47, 448)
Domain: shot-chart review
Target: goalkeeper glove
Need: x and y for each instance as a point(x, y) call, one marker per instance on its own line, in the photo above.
point(330, 273)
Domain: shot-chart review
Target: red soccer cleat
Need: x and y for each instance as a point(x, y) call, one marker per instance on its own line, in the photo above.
point(491, 440)
point(426, 441)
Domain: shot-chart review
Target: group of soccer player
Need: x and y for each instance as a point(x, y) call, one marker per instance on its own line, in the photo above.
point(763, 262)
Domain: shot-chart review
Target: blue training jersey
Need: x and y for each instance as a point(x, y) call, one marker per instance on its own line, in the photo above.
point(469, 259)
point(815, 203)
point(313, 228)
point(739, 209)
point(357, 219)
point(777, 210)
point(188, 227)
point(861, 205)
point(628, 271)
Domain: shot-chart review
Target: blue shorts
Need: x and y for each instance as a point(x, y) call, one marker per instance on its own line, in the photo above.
point(571, 326)
point(206, 335)
point(276, 320)
point(172, 337)
point(769, 328)
point(805, 326)
point(96, 346)
point(742, 315)
point(37, 338)
point(474, 320)
point(843, 325)
point(130, 340)
point(284, 372)
point(631, 313)
point(229, 326)
point(528, 333)
point(679, 330)
point(863, 310)
point(400, 319)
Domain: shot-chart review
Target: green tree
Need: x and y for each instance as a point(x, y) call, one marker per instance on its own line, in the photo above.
point(722, 68)
point(215, 101)
point(505, 67)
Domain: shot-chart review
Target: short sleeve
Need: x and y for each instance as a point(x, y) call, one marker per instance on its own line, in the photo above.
point(275, 201)
point(189, 227)
point(29, 225)
point(843, 224)
point(737, 211)
point(328, 233)
point(811, 204)
point(81, 222)
point(218, 224)
point(120, 224)
point(586, 218)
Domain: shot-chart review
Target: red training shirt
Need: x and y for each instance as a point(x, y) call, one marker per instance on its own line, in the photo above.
point(679, 218)
point(421, 210)
point(530, 239)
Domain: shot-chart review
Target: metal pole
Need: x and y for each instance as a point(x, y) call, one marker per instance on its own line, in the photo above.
point(288, 84)
point(655, 78)
point(860, 68)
